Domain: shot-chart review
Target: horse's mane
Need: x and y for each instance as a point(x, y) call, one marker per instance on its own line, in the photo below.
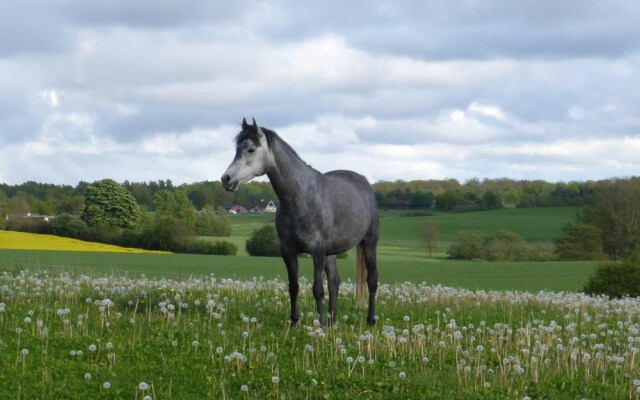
point(271, 136)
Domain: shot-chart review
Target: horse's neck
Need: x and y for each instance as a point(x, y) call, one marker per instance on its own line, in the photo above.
point(290, 176)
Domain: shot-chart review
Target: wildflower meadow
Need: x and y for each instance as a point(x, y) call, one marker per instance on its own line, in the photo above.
point(79, 337)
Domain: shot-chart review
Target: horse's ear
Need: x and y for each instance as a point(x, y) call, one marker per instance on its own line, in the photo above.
point(255, 125)
point(245, 126)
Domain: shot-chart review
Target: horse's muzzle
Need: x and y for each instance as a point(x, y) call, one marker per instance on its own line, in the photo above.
point(227, 184)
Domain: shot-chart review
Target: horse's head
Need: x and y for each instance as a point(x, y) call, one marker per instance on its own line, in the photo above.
point(252, 157)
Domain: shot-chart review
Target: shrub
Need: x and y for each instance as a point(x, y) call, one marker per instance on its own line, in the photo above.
point(506, 246)
point(468, 245)
point(502, 246)
point(264, 242)
point(222, 248)
point(68, 226)
point(167, 234)
point(615, 279)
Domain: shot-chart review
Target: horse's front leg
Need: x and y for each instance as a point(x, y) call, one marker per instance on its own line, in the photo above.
point(291, 261)
point(333, 281)
point(319, 261)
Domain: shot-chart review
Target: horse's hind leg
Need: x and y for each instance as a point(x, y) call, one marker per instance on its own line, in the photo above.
point(369, 250)
point(333, 282)
point(319, 263)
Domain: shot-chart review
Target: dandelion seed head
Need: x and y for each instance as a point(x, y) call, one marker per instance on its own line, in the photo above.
point(106, 385)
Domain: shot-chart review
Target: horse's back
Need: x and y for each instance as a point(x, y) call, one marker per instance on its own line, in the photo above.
point(350, 190)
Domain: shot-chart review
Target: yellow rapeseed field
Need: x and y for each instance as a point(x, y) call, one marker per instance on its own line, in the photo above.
point(30, 241)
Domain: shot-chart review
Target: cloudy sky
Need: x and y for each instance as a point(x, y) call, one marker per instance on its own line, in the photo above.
point(151, 89)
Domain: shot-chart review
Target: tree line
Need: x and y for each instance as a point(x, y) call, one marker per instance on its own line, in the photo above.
point(610, 218)
point(445, 195)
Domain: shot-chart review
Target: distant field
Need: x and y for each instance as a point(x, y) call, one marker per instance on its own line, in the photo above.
point(533, 224)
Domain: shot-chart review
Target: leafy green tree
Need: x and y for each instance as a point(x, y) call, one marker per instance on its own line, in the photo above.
point(264, 242)
point(109, 204)
point(175, 204)
point(421, 200)
point(616, 213)
point(211, 223)
point(448, 200)
point(491, 200)
point(580, 242)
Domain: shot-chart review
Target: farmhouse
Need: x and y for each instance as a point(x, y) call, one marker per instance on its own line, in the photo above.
point(265, 207)
point(29, 217)
point(235, 209)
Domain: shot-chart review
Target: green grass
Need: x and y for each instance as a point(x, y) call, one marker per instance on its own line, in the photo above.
point(393, 267)
point(66, 337)
point(230, 338)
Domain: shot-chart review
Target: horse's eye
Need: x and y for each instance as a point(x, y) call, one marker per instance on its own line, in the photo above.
point(251, 150)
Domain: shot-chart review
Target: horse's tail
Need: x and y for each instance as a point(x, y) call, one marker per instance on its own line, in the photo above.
point(361, 276)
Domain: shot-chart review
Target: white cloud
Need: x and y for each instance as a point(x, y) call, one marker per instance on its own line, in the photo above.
point(414, 90)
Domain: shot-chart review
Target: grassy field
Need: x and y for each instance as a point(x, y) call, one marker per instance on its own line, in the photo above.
point(77, 337)
point(557, 276)
point(400, 257)
point(111, 325)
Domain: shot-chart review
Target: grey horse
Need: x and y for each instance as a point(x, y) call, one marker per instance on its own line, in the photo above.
point(319, 214)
